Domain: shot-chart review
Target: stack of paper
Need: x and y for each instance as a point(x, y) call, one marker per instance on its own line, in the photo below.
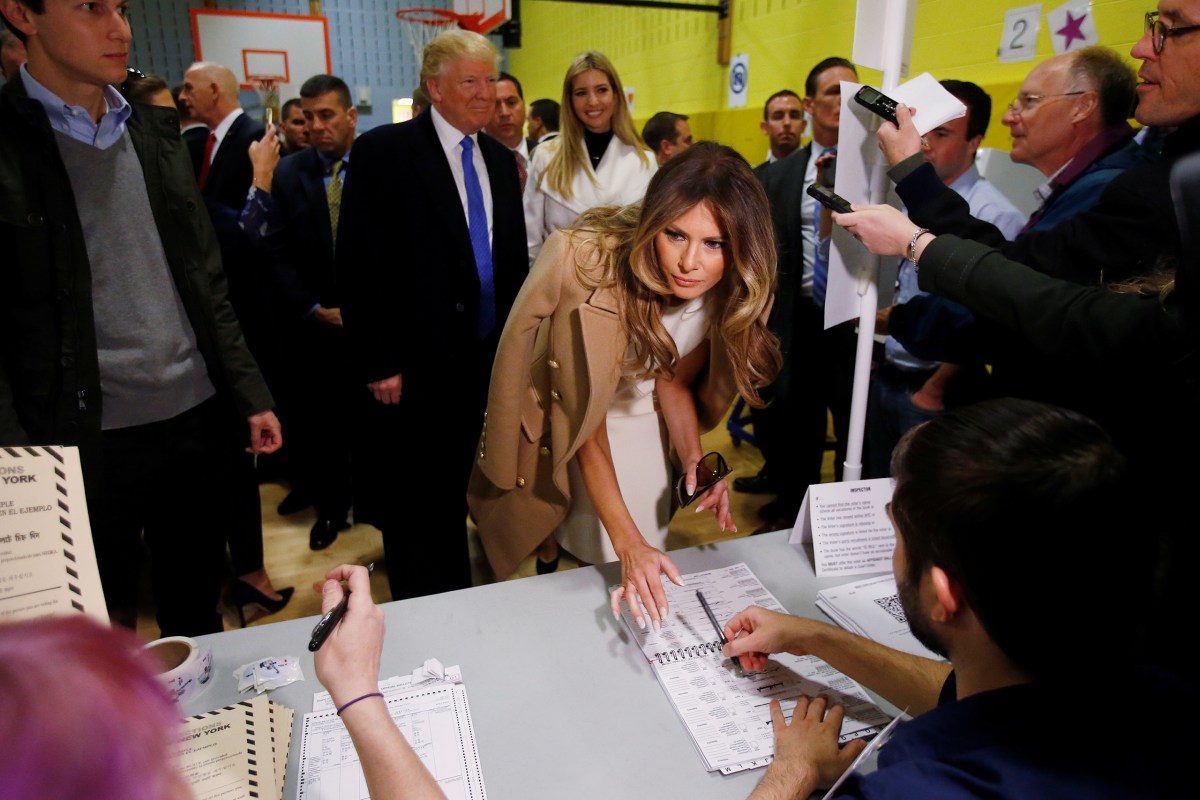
point(727, 711)
point(871, 608)
point(430, 709)
point(238, 751)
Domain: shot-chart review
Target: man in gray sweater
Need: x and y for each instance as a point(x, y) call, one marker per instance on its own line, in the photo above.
point(117, 333)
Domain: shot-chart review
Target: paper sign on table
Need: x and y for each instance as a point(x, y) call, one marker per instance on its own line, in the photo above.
point(848, 526)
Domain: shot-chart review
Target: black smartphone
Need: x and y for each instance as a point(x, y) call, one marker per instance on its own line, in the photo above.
point(877, 101)
point(829, 199)
point(827, 172)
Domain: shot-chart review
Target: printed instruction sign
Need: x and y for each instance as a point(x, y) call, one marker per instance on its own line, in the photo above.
point(848, 526)
point(47, 560)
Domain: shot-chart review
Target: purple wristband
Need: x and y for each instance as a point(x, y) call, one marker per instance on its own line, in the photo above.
point(355, 700)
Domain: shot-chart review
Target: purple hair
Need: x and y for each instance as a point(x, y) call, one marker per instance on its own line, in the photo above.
point(82, 714)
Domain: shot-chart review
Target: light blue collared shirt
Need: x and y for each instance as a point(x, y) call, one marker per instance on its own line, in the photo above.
point(75, 121)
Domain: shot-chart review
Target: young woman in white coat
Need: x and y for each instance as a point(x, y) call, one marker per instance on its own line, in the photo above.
point(598, 159)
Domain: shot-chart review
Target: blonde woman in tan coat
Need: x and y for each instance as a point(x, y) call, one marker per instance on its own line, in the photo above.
point(633, 332)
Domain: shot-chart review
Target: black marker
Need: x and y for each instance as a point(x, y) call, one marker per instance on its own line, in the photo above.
point(717, 626)
point(329, 621)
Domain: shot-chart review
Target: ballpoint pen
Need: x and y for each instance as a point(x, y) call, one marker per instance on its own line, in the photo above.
point(329, 621)
point(720, 633)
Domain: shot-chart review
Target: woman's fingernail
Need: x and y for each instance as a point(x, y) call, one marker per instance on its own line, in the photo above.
point(642, 623)
point(662, 613)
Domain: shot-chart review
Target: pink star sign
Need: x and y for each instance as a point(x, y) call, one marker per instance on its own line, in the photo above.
point(1073, 29)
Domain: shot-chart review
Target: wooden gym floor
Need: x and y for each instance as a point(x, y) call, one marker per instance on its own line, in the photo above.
point(290, 562)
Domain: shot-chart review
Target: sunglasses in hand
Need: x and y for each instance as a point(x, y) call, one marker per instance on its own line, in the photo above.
point(710, 469)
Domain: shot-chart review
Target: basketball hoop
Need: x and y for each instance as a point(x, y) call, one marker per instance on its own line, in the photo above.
point(422, 23)
point(268, 89)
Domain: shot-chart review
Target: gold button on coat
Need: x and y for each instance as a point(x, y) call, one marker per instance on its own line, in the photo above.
point(520, 483)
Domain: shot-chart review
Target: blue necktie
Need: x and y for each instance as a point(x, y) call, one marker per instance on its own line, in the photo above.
point(820, 266)
point(480, 243)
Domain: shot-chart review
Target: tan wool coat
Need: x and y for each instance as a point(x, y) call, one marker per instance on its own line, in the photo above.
point(556, 371)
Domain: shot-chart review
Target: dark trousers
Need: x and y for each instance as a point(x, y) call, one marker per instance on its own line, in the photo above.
point(791, 430)
point(172, 482)
point(439, 423)
point(326, 402)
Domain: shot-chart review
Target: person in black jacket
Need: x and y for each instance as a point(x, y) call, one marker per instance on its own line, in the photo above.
point(431, 254)
point(117, 334)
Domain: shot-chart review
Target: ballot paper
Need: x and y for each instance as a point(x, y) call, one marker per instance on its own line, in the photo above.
point(47, 561)
point(429, 707)
point(848, 526)
point(235, 752)
point(725, 709)
point(871, 608)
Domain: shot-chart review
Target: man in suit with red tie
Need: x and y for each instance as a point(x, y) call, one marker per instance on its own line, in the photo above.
point(507, 124)
point(430, 257)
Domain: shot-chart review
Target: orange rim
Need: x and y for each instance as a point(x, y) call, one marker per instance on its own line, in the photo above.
point(437, 16)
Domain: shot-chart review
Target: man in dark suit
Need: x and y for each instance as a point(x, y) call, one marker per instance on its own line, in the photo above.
point(818, 364)
point(431, 254)
point(306, 198)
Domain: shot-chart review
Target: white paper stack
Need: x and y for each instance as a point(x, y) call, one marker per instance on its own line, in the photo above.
point(237, 751)
point(871, 608)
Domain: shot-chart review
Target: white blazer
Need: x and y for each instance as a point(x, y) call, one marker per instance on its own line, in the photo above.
point(621, 179)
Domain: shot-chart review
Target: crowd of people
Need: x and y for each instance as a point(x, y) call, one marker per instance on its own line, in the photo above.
point(454, 316)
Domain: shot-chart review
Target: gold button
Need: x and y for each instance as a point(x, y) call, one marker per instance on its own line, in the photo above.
point(553, 364)
point(520, 483)
point(544, 451)
point(554, 393)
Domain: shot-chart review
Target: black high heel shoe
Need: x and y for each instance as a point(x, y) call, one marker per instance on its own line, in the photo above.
point(246, 595)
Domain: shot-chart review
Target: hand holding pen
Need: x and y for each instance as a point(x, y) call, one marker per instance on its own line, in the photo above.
point(347, 659)
point(716, 626)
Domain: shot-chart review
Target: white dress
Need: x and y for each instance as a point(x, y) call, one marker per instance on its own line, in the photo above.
point(638, 438)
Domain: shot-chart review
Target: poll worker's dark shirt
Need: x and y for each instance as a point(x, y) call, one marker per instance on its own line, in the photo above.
point(1120, 733)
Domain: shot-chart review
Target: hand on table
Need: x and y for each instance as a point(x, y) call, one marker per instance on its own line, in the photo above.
point(756, 632)
point(807, 755)
point(641, 566)
point(348, 663)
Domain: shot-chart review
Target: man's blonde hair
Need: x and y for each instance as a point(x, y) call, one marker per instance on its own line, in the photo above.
point(453, 45)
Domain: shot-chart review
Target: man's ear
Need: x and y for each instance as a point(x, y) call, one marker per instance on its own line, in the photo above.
point(432, 87)
point(948, 594)
point(1086, 104)
point(19, 16)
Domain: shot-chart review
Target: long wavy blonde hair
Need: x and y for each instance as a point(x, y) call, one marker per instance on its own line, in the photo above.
point(705, 173)
point(570, 152)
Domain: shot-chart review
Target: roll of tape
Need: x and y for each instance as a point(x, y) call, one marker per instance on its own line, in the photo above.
point(187, 665)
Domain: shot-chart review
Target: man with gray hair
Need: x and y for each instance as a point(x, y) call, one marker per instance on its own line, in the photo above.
point(1068, 122)
point(430, 256)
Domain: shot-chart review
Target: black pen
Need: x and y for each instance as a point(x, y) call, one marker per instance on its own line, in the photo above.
point(717, 626)
point(329, 621)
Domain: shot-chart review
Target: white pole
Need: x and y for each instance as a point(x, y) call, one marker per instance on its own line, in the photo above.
point(895, 31)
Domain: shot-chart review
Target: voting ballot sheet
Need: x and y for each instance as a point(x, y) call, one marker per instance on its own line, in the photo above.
point(430, 709)
point(726, 710)
point(47, 561)
point(871, 608)
point(237, 752)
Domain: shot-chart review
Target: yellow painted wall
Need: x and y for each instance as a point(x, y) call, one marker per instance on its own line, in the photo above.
point(669, 57)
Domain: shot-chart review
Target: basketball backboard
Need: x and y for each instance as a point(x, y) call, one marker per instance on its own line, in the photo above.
point(293, 48)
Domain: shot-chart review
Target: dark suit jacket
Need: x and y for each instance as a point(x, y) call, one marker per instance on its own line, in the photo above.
point(410, 298)
point(230, 175)
point(783, 181)
point(300, 241)
point(195, 139)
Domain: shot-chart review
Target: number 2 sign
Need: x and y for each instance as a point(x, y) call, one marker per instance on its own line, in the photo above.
point(1019, 39)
